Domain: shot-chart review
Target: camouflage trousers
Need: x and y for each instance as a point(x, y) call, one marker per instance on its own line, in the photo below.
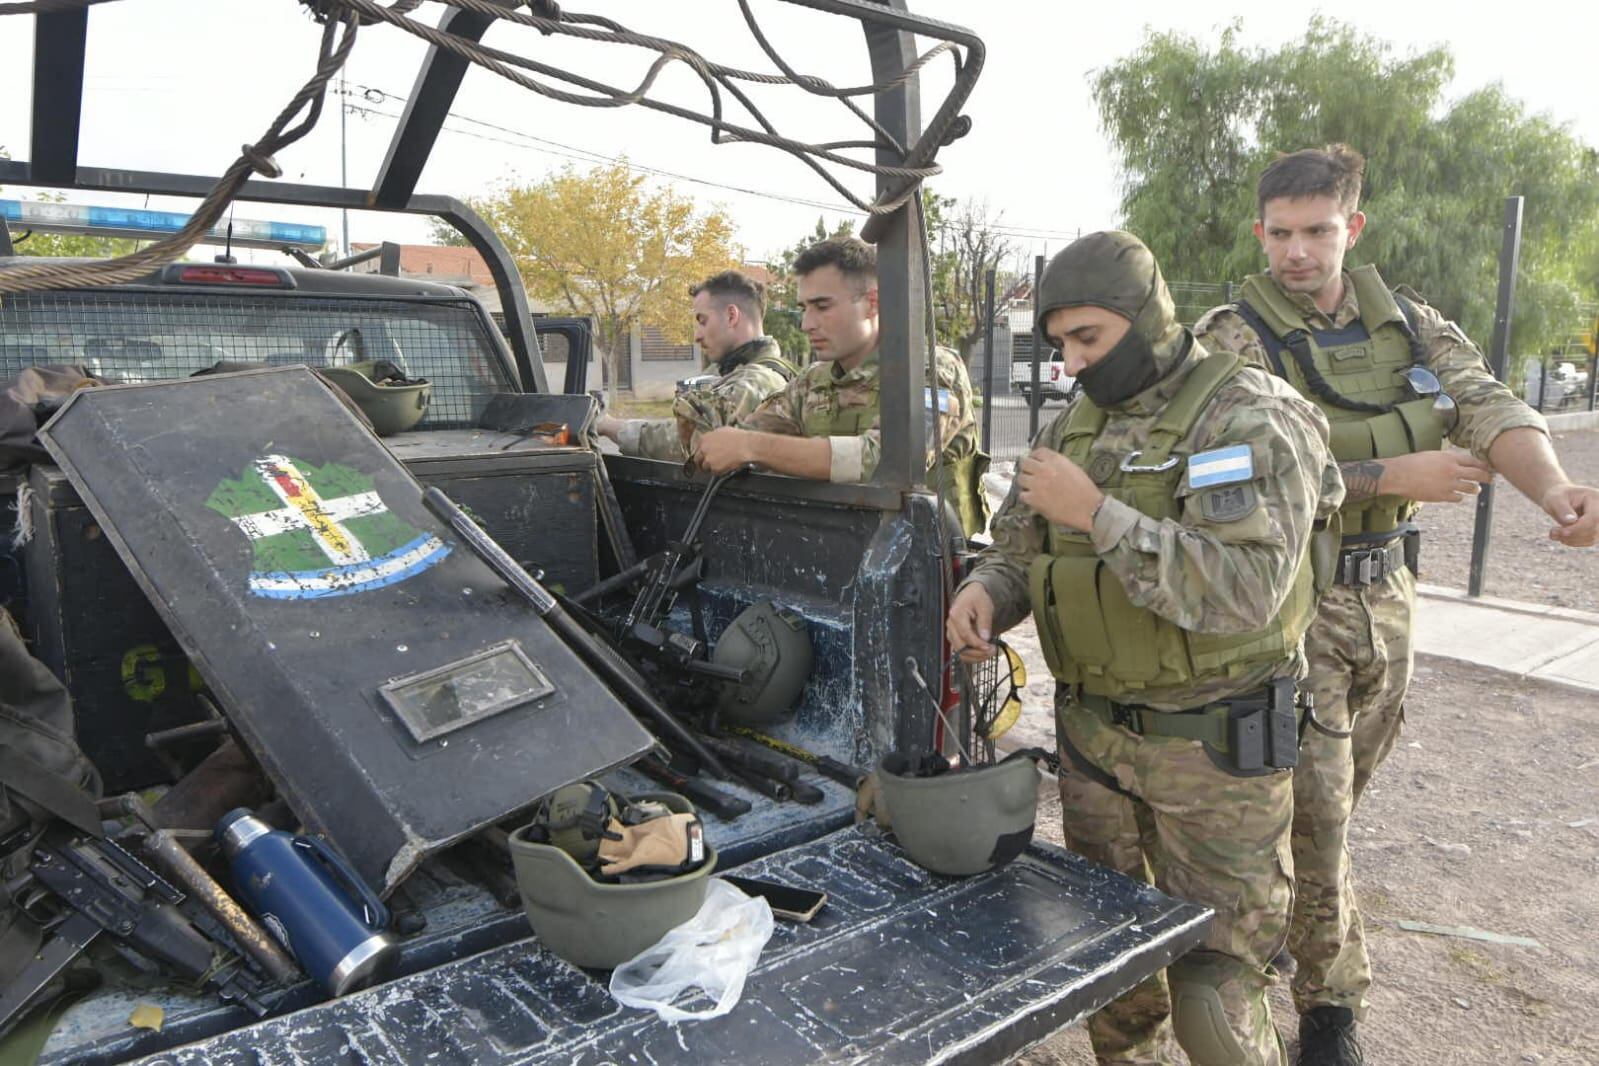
point(1360, 661)
point(1200, 834)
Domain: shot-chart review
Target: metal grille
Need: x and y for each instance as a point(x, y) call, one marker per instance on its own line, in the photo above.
point(554, 347)
point(655, 348)
point(131, 336)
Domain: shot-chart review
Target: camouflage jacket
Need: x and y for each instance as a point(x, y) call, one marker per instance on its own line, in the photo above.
point(1201, 574)
point(1487, 406)
point(700, 410)
point(825, 401)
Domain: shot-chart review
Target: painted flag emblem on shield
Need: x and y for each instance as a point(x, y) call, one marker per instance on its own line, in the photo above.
point(320, 530)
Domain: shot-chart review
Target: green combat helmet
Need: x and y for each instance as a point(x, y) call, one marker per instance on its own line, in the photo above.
point(592, 923)
point(772, 644)
point(960, 822)
point(392, 402)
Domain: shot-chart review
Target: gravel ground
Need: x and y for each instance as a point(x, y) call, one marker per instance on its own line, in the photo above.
point(1487, 816)
point(1523, 563)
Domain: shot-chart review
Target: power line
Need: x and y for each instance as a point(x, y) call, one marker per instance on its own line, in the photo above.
point(585, 155)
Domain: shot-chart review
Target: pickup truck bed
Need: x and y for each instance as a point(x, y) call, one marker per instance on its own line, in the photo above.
point(899, 967)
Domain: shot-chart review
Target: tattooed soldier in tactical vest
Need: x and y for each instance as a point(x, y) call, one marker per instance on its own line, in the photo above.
point(1160, 532)
point(729, 309)
point(1396, 380)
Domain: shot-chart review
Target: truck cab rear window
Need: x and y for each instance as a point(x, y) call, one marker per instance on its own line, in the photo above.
point(134, 336)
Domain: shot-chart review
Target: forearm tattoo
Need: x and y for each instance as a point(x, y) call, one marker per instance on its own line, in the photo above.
point(1361, 479)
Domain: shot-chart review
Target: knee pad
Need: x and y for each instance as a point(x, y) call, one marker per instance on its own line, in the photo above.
point(1199, 1020)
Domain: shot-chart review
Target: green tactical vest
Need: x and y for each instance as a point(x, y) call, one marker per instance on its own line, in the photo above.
point(1092, 634)
point(782, 367)
point(1363, 362)
point(962, 481)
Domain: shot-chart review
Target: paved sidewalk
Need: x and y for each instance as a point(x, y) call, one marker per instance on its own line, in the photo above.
point(1526, 639)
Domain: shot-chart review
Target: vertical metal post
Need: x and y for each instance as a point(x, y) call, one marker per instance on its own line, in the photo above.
point(1593, 379)
point(1543, 382)
point(1498, 349)
point(901, 297)
point(988, 363)
point(1035, 399)
point(59, 42)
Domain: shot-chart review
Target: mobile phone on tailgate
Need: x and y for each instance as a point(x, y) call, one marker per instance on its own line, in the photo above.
point(786, 901)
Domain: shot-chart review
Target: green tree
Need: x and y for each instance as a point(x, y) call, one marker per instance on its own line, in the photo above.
point(442, 233)
point(1194, 123)
point(965, 245)
point(607, 246)
point(67, 245)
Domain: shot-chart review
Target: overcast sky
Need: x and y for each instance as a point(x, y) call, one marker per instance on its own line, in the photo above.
point(178, 85)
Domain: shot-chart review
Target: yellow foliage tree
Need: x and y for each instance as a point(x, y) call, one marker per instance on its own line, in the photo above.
point(612, 249)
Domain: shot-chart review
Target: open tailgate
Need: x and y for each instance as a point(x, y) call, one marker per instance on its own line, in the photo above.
point(899, 966)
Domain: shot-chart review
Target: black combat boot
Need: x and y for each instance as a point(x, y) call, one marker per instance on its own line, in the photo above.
point(1327, 1038)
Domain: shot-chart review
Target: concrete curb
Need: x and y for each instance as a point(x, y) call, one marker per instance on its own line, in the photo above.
point(1565, 423)
point(1554, 644)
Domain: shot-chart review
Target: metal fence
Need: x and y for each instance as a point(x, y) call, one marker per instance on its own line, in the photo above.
point(1013, 408)
point(1194, 298)
point(1566, 378)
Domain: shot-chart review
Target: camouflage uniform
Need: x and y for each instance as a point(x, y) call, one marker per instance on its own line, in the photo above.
point(826, 401)
point(1159, 808)
point(754, 371)
point(1360, 655)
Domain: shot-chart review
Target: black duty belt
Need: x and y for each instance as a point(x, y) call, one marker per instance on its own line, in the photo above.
point(1254, 729)
point(1371, 565)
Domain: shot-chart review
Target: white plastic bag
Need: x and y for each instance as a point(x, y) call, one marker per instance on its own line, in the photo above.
point(714, 950)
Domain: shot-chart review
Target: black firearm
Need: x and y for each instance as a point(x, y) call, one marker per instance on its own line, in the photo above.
point(104, 891)
point(600, 656)
point(768, 776)
point(705, 796)
point(664, 576)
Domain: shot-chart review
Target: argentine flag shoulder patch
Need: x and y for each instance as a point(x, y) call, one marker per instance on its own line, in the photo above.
point(1221, 466)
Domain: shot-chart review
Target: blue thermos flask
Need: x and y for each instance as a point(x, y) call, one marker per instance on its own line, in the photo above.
point(311, 900)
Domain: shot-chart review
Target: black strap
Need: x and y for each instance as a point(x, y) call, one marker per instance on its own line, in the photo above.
point(1298, 345)
point(1326, 730)
point(1273, 346)
point(1081, 764)
point(1407, 307)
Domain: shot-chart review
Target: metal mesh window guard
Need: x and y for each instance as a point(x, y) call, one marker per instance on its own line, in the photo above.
point(130, 337)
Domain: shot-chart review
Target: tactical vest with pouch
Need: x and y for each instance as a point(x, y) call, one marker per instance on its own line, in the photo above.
point(962, 477)
point(1092, 634)
point(1355, 376)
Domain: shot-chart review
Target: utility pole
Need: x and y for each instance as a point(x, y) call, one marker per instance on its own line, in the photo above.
point(344, 165)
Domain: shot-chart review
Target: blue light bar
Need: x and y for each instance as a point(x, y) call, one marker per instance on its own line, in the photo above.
point(146, 225)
